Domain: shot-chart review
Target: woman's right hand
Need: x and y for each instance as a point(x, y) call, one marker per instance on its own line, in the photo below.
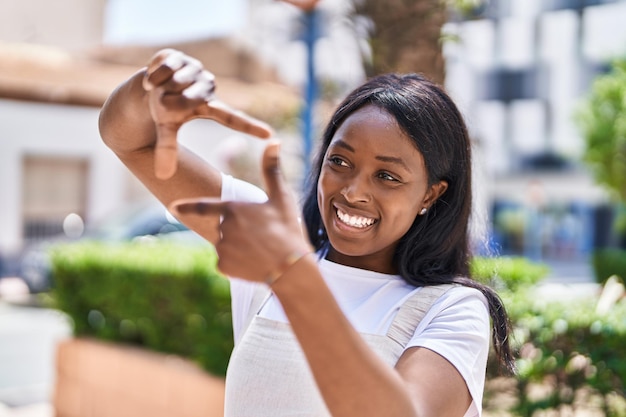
point(180, 89)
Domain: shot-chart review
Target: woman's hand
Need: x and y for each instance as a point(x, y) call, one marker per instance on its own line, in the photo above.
point(179, 90)
point(258, 241)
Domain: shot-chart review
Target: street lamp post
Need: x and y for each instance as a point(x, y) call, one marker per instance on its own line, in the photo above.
point(310, 36)
point(310, 96)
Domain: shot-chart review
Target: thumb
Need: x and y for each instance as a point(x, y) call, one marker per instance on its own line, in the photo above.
point(272, 174)
point(165, 151)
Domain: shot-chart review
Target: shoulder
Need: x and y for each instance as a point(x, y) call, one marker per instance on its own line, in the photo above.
point(462, 296)
point(460, 307)
point(458, 328)
point(461, 315)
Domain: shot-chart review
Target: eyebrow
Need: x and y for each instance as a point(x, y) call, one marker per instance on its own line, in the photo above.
point(383, 158)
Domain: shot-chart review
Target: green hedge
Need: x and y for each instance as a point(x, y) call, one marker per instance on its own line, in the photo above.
point(570, 355)
point(165, 296)
point(168, 297)
point(571, 358)
point(608, 262)
point(507, 273)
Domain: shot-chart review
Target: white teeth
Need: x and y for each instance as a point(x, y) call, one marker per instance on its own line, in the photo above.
point(354, 221)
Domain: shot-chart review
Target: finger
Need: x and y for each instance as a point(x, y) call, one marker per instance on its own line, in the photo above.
point(201, 206)
point(166, 151)
point(274, 182)
point(161, 67)
point(181, 79)
point(237, 120)
point(200, 91)
point(190, 95)
point(189, 74)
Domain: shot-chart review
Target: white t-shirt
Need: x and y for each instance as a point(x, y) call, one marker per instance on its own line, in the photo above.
point(457, 326)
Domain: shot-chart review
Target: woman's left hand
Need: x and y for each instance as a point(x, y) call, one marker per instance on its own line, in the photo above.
point(256, 238)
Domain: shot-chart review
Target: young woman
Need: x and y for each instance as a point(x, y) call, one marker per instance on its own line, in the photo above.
point(362, 304)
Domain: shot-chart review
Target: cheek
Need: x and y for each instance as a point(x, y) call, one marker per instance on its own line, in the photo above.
point(327, 186)
point(324, 186)
point(406, 211)
point(320, 200)
point(320, 194)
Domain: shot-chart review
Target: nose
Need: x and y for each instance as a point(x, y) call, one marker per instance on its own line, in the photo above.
point(357, 190)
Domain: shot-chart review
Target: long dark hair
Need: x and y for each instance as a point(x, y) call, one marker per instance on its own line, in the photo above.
point(435, 250)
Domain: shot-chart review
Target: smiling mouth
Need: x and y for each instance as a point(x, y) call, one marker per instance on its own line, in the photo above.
point(358, 222)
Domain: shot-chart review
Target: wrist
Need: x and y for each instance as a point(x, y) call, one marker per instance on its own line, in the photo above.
point(287, 264)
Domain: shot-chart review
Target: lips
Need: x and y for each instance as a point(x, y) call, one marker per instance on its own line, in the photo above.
point(355, 221)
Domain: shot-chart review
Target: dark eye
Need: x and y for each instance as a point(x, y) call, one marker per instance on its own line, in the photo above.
point(335, 160)
point(387, 177)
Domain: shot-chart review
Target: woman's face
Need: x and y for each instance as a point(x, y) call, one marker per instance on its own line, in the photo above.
point(373, 183)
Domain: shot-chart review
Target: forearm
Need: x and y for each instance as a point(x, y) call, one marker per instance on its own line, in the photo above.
point(127, 128)
point(353, 380)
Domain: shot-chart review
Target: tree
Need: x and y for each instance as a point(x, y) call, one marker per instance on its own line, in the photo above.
point(405, 35)
point(602, 121)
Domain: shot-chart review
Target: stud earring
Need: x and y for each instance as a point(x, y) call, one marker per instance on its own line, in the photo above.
point(423, 211)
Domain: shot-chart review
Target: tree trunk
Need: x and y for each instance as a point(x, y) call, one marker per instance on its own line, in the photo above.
point(406, 36)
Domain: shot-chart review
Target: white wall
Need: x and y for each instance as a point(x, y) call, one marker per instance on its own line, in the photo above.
point(70, 24)
point(52, 130)
point(43, 129)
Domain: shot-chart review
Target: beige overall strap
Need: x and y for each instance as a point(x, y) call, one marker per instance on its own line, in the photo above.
point(413, 311)
point(260, 296)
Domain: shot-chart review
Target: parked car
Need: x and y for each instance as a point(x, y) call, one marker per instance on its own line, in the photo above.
point(132, 222)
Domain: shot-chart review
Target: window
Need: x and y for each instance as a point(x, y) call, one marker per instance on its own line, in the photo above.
point(52, 189)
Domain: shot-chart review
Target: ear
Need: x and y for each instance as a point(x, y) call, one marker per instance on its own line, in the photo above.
point(434, 192)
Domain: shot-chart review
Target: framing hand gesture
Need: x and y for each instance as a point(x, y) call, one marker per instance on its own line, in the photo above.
point(180, 89)
point(258, 241)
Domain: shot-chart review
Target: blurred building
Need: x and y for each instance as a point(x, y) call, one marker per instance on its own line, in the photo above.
point(519, 68)
point(55, 73)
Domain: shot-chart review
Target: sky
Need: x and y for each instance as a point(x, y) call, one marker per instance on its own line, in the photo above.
point(270, 31)
point(156, 21)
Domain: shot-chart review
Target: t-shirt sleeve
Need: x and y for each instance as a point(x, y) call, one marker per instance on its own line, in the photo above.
point(241, 291)
point(457, 327)
point(234, 189)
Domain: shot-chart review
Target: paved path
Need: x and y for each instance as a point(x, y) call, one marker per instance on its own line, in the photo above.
point(28, 338)
point(33, 410)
